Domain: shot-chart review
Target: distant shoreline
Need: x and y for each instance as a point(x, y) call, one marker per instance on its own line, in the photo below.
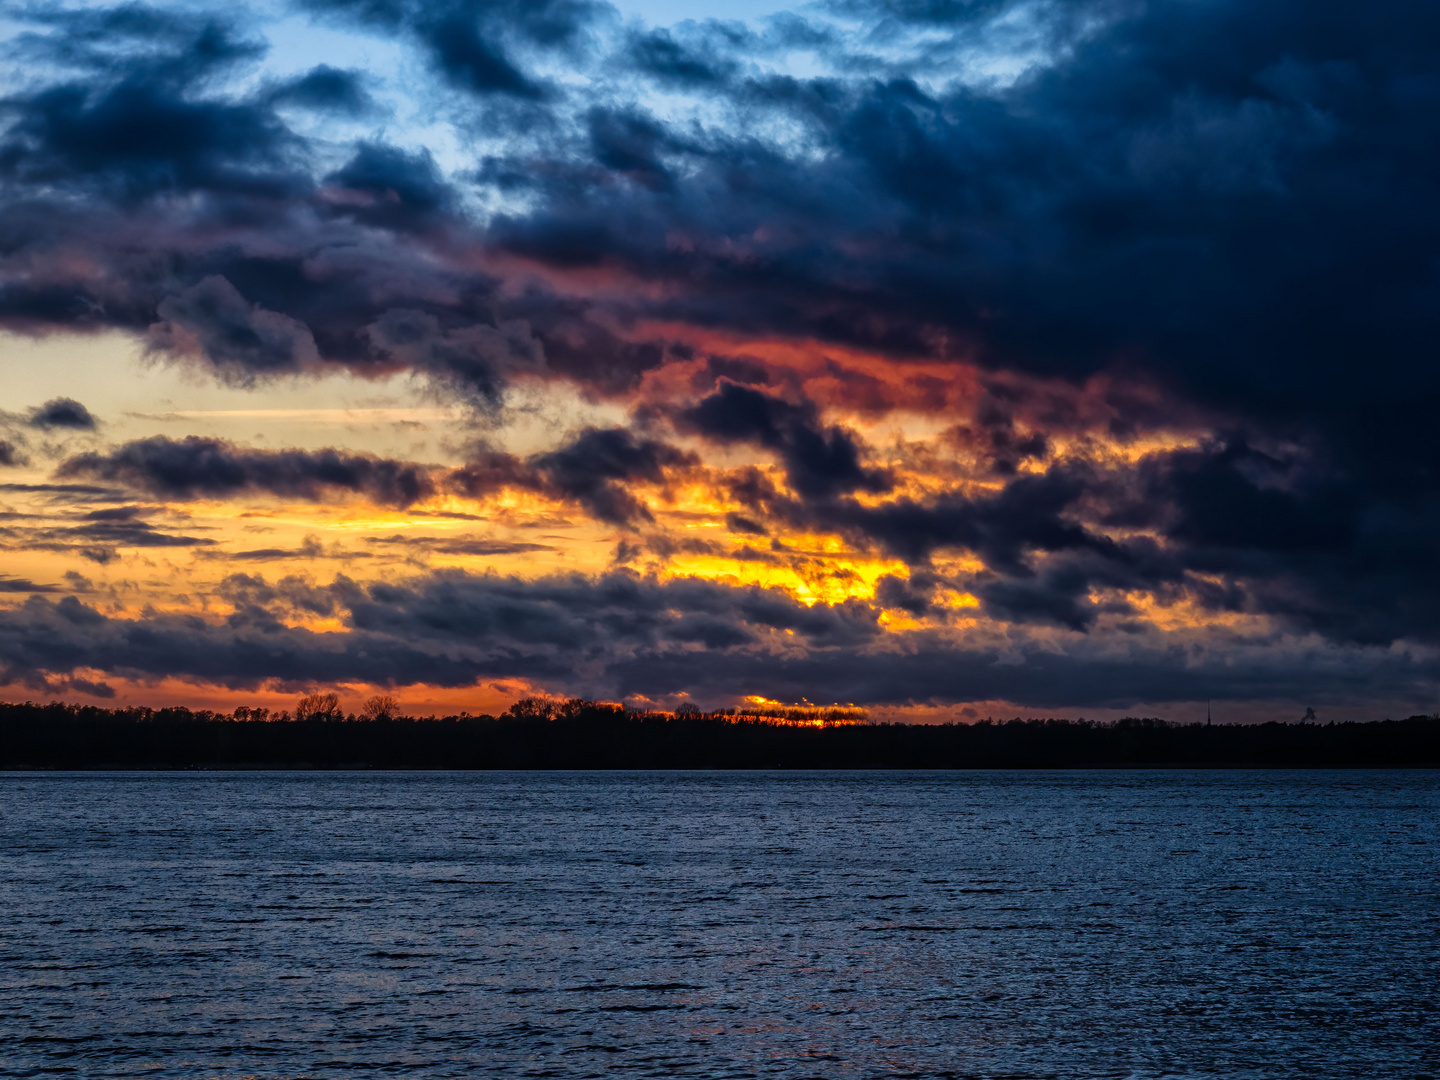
point(588, 736)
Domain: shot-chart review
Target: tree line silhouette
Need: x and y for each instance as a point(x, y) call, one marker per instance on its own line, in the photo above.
point(578, 734)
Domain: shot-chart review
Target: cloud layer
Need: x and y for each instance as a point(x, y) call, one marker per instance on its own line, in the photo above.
point(622, 635)
point(1112, 320)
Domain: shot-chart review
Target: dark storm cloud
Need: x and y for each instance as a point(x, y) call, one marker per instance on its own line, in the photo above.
point(472, 43)
point(739, 523)
point(819, 461)
point(196, 467)
point(241, 339)
point(1030, 513)
point(109, 534)
point(449, 628)
point(625, 635)
point(60, 637)
point(689, 64)
point(473, 59)
point(268, 264)
point(171, 41)
point(591, 471)
point(1292, 536)
point(577, 616)
point(401, 191)
point(490, 471)
point(67, 493)
point(97, 535)
point(62, 412)
point(22, 585)
point(131, 128)
point(326, 89)
point(1240, 203)
point(594, 468)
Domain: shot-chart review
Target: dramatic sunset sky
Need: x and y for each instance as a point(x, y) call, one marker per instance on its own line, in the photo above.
point(949, 358)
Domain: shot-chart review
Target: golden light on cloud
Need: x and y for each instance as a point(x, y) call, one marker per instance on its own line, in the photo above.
point(829, 579)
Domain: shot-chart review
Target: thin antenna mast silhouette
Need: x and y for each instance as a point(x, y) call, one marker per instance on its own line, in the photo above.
point(1207, 713)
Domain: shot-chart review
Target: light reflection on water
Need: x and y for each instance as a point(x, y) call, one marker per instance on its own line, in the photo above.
point(720, 924)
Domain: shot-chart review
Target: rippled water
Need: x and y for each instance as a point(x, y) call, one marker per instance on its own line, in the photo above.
point(720, 924)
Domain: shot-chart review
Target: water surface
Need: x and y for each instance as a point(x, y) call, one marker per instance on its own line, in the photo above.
point(1239, 924)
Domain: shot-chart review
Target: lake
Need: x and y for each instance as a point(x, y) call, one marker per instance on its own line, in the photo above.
point(785, 924)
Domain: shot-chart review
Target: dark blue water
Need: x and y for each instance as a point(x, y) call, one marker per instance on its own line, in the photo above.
point(1239, 924)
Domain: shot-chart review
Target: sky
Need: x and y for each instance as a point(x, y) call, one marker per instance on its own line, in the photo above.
point(951, 358)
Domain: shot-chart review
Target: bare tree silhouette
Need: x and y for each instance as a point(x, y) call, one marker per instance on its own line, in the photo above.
point(380, 707)
point(318, 706)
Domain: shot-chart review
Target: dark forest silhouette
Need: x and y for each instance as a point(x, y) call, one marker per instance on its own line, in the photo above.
point(577, 734)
